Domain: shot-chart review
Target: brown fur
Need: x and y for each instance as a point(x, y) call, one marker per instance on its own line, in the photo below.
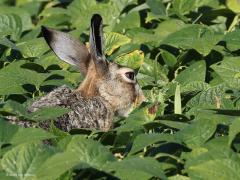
point(88, 88)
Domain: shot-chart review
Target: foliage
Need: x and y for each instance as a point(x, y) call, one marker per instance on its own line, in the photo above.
point(186, 53)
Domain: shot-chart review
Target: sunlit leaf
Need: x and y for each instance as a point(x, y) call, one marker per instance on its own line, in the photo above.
point(114, 41)
point(133, 59)
point(234, 5)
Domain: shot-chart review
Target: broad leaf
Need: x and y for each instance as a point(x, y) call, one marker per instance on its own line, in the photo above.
point(33, 48)
point(229, 71)
point(48, 113)
point(13, 134)
point(79, 151)
point(114, 41)
point(13, 77)
point(232, 40)
point(10, 24)
point(132, 60)
point(198, 132)
point(195, 72)
point(144, 140)
point(22, 13)
point(197, 37)
point(137, 167)
point(234, 129)
point(234, 5)
point(24, 160)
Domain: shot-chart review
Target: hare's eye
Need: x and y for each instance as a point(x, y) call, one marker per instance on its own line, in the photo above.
point(130, 75)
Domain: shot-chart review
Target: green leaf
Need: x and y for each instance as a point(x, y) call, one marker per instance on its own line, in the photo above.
point(168, 58)
point(234, 5)
point(7, 131)
point(232, 40)
point(152, 71)
point(229, 71)
point(48, 113)
point(212, 97)
point(141, 36)
point(234, 129)
point(214, 162)
point(51, 59)
point(144, 140)
point(79, 151)
point(195, 72)
point(132, 60)
point(23, 160)
point(178, 177)
point(121, 4)
point(195, 86)
point(131, 20)
point(13, 76)
point(198, 132)
point(4, 176)
point(6, 42)
point(140, 168)
point(14, 107)
point(10, 24)
point(55, 20)
point(14, 134)
point(157, 7)
point(22, 13)
point(33, 48)
point(82, 11)
point(138, 118)
point(174, 124)
point(168, 27)
point(185, 6)
point(114, 41)
point(30, 135)
point(72, 77)
point(202, 155)
point(216, 169)
point(197, 37)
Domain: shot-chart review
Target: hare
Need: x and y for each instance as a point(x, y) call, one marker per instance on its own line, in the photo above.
point(107, 90)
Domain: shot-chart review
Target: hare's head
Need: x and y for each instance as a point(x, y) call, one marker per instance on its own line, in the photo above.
point(114, 83)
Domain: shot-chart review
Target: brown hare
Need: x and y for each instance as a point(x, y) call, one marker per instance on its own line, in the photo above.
point(107, 90)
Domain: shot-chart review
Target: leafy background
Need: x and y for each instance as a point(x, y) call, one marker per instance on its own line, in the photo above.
point(187, 55)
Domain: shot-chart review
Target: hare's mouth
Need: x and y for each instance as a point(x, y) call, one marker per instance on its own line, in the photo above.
point(124, 112)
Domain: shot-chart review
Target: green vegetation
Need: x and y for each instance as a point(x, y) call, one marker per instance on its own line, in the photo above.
point(187, 55)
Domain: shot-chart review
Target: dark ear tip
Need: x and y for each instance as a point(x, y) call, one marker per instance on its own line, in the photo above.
point(44, 29)
point(46, 33)
point(96, 17)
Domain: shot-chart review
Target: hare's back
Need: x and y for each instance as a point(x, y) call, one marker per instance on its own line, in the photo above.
point(58, 97)
point(92, 113)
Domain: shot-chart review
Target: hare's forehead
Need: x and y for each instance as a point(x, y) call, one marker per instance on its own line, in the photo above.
point(116, 69)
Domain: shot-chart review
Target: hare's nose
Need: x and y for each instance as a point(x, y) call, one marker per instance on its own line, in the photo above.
point(140, 97)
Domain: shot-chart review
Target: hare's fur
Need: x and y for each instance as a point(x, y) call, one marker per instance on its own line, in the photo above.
point(93, 112)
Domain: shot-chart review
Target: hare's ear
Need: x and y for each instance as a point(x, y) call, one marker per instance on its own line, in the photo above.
point(97, 44)
point(67, 48)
